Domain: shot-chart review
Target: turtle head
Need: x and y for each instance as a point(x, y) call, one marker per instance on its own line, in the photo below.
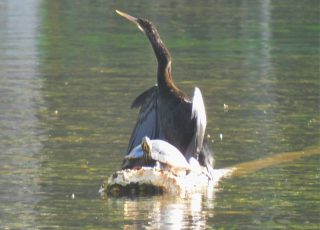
point(146, 148)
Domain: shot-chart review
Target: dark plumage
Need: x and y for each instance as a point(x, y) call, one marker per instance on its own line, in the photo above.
point(166, 112)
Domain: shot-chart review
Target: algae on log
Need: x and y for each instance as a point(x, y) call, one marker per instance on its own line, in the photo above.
point(150, 181)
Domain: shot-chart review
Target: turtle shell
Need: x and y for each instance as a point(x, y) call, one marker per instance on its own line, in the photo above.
point(169, 155)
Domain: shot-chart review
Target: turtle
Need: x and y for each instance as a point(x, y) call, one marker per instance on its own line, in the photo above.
point(166, 156)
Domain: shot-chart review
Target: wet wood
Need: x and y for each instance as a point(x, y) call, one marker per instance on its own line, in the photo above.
point(150, 181)
point(274, 160)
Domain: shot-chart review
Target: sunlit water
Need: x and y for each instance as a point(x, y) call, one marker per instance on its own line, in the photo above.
point(69, 71)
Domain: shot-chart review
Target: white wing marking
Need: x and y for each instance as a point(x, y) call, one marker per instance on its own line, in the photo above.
point(199, 113)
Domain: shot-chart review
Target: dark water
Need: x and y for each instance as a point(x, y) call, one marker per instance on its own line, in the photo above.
point(69, 71)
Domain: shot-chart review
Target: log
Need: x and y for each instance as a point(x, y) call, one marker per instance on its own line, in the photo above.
point(151, 181)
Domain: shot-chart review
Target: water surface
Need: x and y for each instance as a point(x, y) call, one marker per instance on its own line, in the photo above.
point(69, 71)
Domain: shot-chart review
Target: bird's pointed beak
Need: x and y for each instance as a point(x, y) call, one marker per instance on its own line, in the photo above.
point(130, 18)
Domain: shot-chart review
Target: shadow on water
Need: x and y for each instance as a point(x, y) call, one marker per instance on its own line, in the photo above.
point(69, 71)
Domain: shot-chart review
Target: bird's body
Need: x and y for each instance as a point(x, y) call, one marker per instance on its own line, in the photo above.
point(168, 156)
point(166, 112)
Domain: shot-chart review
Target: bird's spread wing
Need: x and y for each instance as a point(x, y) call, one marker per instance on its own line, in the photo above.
point(142, 99)
point(148, 123)
point(198, 115)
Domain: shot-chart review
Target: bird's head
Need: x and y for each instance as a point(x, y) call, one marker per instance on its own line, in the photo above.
point(143, 24)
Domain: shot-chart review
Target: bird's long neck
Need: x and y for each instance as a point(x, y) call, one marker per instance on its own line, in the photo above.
point(165, 82)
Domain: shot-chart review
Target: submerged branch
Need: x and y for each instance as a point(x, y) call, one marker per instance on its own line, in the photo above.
point(274, 160)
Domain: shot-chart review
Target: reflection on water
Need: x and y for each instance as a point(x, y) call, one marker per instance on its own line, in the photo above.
point(69, 71)
point(165, 212)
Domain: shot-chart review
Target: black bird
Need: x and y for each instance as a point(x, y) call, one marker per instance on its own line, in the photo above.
point(166, 112)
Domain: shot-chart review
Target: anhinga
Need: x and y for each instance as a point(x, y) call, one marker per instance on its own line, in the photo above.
point(166, 112)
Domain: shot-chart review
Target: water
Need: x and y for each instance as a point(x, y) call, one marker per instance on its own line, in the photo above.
point(69, 71)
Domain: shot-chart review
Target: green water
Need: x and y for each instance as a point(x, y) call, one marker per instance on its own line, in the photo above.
point(69, 71)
